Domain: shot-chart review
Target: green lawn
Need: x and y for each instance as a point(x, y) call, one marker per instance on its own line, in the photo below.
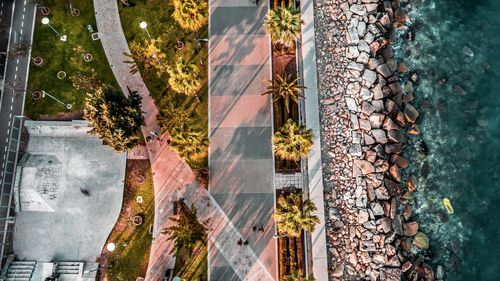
point(133, 243)
point(65, 56)
point(157, 14)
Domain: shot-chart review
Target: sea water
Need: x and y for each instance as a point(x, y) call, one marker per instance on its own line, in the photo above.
point(455, 52)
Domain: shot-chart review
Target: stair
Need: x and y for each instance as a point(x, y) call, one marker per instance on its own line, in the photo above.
point(20, 271)
point(69, 268)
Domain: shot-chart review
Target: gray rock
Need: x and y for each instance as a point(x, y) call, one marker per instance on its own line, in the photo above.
point(369, 37)
point(361, 29)
point(384, 225)
point(352, 36)
point(377, 209)
point(376, 119)
point(363, 47)
point(377, 92)
point(367, 108)
point(355, 66)
point(355, 122)
point(363, 216)
point(379, 136)
point(351, 104)
point(363, 58)
point(382, 194)
point(356, 137)
point(365, 125)
point(411, 114)
point(358, 9)
point(353, 89)
point(384, 70)
point(370, 77)
point(355, 150)
point(365, 166)
point(371, 7)
point(365, 94)
point(439, 272)
point(379, 105)
point(369, 140)
point(396, 136)
point(352, 52)
point(374, 62)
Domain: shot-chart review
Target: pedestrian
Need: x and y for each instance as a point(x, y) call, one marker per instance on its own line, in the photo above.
point(245, 243)
point(240, 242)
point(254, 228)
point(257, 3)
point(261, 229)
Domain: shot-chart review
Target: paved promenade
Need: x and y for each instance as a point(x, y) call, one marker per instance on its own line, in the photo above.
point(318, 236)
point(240, 155)
point(173, 179)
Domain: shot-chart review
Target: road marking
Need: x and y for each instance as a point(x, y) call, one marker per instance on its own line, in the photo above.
point(24, 2)
point(1, 12)
point(24, 9)
point(8, 131)
point(11, 100)
point(17, 61)
point(6, 140)
point(22, 31)
point(17, 68)
point(22, 23)
point(2, 4)
point(15, 76)
point(11, 106)
point(10, 115)
point(5, 150)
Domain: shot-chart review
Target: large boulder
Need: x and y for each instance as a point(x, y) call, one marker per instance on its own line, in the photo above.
point(365, 166)
point(379, 136)
point(411, 114)
point(358, 9)
point(396, 136)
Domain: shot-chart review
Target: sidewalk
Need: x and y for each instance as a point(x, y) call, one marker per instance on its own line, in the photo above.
point(318, 237)
point(173, 178)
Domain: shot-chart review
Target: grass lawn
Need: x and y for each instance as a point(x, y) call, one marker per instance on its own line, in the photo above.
point(157, 14)
point(133, 243)
point(65, 56)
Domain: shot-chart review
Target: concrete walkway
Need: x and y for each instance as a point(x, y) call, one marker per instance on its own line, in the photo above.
point(240, 155)
point(318, 237)
point(173, 179)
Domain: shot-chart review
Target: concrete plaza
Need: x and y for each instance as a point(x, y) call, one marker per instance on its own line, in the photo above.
point(68, 194)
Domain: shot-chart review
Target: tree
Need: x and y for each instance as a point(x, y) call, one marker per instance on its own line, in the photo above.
point(191, 14)
point(190, 142)
point(115, 118)
point(292, 141)
point(185, 78)
point(174, 116)
point(148, 56)
point(187, 230)
point(20, 49)
point(295, 276)
point(284, 24)
point(292, 215)
point(285, 88)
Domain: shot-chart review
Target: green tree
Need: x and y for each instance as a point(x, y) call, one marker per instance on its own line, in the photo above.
point(115, 118)
point(185, 77)
point(173, 115)
point(292, 215)
point(190, 142)
point(147, 55)
point(186, 231)
point(191, 14)
point(292, 141)
point(285, 88)
point(295, 276)
point(284, 24)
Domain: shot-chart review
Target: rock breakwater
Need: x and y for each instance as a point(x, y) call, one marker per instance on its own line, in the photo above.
point(366, 114)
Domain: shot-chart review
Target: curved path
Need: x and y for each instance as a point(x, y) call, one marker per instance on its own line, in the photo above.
point(173, 179)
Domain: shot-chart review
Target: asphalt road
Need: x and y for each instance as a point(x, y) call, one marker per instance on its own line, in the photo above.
point(5, 16)
point(12, 102)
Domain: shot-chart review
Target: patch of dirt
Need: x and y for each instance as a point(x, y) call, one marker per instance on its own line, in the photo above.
point(64, 116)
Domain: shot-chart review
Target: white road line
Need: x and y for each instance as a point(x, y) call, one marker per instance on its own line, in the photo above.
point(24, 2)
point(10, 115)
point(15, 76)
point(6, 140)
point(22, 31)
point(11, 106)
point(2, 4)
point(17, 61)
point(8, 131)
point(5, 150)
point(23, 19)
point(22, 23)
point(1, 12)
point(17, 68)
point(24, 9)
point(4, 156)
point(11, 100)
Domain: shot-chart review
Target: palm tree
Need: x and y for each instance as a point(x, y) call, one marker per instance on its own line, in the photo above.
point(186, 231)
point(292, 215)
point(292, 141)
point(185, 78)
point(286, 88)
point(295, 276)
point(284, 24)
point(191, 14)
point(189, 142)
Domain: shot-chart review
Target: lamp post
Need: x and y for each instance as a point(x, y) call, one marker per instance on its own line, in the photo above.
point(67, 105)
point(144, 25)
point(46, 21)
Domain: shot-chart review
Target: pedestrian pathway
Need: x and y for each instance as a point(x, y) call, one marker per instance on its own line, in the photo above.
point(240, 154)
point(173, 178)
point(318, 236)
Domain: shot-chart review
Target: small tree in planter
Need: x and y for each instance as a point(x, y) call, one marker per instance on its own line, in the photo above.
point(284, 24)
point(191, 14)
point(292, 142)
point(285, 88)
point(293, 215)
point(185, 77)
point(186, 231)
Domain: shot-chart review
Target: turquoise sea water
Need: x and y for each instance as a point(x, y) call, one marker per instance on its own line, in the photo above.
point(456, 55)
